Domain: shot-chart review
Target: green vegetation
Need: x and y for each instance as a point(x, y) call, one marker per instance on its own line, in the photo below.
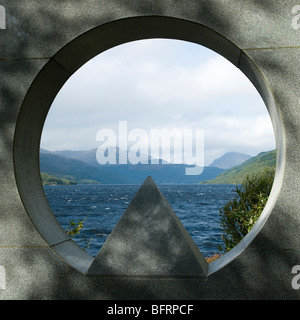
point(239, 215)
point(74, 229)
point(238, 174)
point(88, 181)
point(50, 180)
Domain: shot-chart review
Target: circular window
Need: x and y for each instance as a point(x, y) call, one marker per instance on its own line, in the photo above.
point(58, 70)
point(140, 99)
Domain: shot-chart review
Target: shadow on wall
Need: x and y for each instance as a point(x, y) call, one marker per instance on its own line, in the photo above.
point(246, 277)
point(50, 277)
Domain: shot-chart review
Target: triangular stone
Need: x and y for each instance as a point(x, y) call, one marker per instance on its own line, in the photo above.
point(149, 240)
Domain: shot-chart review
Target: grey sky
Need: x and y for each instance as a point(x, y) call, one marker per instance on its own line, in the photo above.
point(155, 84)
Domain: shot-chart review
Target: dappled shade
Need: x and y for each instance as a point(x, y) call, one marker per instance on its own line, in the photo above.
point(149, 240)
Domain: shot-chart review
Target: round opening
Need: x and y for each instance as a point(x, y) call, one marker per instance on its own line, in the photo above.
point(58, 70)
point(122, 101)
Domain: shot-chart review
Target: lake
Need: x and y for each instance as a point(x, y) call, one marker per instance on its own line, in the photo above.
point(197, 206)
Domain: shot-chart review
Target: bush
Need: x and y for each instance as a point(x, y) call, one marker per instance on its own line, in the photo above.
point(239, 215)
point(74, 229)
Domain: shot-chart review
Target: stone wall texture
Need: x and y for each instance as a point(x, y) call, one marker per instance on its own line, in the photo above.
point(43, 44)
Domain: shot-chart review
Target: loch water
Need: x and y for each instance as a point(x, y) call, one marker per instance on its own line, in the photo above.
point(197, 206)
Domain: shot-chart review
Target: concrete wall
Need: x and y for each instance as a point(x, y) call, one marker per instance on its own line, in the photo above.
point(44, 43)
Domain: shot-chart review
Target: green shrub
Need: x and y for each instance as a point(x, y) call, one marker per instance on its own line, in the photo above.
point(239, 215)
point(74, 229)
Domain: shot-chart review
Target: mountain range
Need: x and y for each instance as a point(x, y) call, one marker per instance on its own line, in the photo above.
point(82, 167)
point(229, 160)
point(251, 166)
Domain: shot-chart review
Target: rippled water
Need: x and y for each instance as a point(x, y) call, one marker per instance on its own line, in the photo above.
point(197, 206)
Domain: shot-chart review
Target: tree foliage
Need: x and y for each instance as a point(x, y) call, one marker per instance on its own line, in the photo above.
point(239, 215)
point(50, 180)
point(74, 229)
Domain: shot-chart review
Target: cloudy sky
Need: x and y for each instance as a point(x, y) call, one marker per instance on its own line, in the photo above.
point(160, 84)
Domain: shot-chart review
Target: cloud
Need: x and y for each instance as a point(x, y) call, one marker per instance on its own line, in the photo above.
point(155, 84)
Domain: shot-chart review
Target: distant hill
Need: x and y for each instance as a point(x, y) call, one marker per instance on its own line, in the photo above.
point(238, 173)
point(64, 167)
point(230, 160)
point(79, 171)
point(49, 180)
point(88, 156)
point(85, 156)
point(82, 167)
point(163, 173)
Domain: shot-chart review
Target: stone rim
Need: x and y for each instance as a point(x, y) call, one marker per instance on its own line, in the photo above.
point(57, 71)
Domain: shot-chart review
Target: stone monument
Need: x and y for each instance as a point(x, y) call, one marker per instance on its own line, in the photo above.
point(42, 44)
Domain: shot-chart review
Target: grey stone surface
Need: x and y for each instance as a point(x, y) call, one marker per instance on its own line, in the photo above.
point(44, 43)
point(15, 226)
point(268, 276)
point(70, 251)
point(281, 69)
point(31, 274)
point(239, 21)
point(149, 240)
point(75, 54)
point(26, 150)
